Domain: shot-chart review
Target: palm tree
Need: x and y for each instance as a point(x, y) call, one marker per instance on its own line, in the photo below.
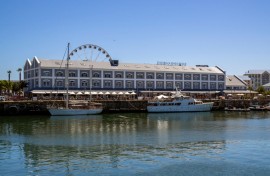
point(20, 73)
point(9, 72)
point(9, 86)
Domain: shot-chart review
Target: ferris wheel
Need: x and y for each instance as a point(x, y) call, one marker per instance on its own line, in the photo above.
point(90, 52)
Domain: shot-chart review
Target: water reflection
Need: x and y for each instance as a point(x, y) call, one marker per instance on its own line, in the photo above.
point(95, 144)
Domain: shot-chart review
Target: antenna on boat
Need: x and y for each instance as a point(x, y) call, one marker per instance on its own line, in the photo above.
point(66, 76)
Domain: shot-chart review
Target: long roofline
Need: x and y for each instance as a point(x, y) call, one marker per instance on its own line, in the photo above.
point(135, 66)
point(241, 80)
point(221, 69)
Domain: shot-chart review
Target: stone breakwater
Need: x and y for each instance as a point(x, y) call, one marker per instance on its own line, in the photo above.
point(40, 106)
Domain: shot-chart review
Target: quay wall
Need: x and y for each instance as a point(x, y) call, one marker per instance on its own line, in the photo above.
point(40, 106)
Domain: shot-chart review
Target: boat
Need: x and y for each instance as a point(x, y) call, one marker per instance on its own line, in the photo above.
point(257, 108)
point(237, 109)
point(75, 107)
point(178, 103)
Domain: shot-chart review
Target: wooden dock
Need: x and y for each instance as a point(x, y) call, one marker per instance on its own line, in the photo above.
point(31, 107)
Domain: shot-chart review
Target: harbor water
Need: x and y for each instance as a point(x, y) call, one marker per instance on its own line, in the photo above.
point(202, 143)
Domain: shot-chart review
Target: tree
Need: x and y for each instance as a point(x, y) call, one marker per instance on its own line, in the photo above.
point(5, 86)
point(261, 90)
point(250, 88)
point(9, 72)
point(9, 86)
point(20, 73)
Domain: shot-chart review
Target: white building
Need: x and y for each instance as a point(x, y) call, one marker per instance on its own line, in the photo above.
point(42, 74)
point(258, 77)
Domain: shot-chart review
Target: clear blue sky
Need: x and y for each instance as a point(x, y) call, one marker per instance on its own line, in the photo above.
point(232, 34)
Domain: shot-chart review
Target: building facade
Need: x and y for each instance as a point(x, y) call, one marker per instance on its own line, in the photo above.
point(42, 74)
point(258, 77)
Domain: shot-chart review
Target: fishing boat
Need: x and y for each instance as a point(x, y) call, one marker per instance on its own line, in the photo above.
point(75, 107)
point(179, 103)
point(234, 109)
point(257, 108)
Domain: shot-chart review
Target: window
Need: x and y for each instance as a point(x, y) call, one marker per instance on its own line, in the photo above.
point(84, 83)
point(118, 75)
point(178, 84)
point(46, 73)
point(129, 84)
point(160, 85)
point(96, 83)
point(72, 74)
point(150, 84)
point(150, 76)
point(204, 85)
point(187, 76)
point(108, 84)
point(213, 77)
point(46, 83)
point(160, 76)
point(221, 77)
point(169, 75)
point(169, 85)
point(204, 77)
point(196, 77)
point(140, 75)
point(84, 74)
point(118, 84)
point(59, 83)
point(220, 86)
point(129, 75)
point(212, 85)
point(107, 74)
point(140, 84)
point(59, 73)
point(72, 83)
point(196, 85)
point(96, 74)
point(178, 76)
point(187, 85)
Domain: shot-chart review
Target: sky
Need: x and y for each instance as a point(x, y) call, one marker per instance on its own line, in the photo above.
point(231, 34)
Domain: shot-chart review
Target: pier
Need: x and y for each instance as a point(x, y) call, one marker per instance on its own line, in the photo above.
point(39, 107)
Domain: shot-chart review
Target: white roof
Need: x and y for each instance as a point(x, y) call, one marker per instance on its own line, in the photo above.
point(256, 72)
point(232, 80)
point(127, 66)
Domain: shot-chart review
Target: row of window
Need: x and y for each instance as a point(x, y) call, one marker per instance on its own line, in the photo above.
point(139, 84)
point(139, 75)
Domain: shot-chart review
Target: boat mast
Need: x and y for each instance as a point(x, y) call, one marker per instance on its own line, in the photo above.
point(90, 82)
point(66, 77)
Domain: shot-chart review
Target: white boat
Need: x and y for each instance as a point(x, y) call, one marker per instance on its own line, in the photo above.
point(179, 103)
point(75, 107)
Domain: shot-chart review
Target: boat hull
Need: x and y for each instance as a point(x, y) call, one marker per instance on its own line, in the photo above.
point(181, 108)
point(72, 112)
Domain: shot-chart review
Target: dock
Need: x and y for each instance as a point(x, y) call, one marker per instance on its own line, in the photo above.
point(39, 107)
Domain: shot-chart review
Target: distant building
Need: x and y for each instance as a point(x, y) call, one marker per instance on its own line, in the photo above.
point(267, 86)
point(246, 79)
point(42, 74)
point(258, 77)
point(235, 83)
